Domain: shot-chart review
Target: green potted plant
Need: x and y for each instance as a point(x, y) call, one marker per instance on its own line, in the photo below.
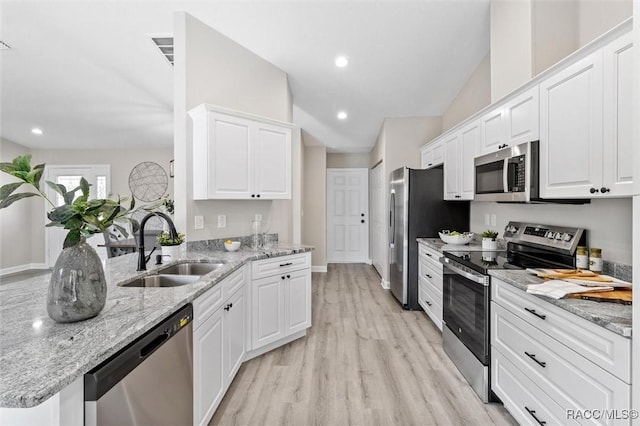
point(489, 240)
point(77, 288)
point(171, 247)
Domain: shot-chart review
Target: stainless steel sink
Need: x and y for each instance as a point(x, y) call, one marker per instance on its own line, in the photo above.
point(191, 268)
point(162, 280)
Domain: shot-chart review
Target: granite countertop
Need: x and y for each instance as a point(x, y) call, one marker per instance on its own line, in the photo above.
point(612, 316)
point(474, 245)
point(39, 357)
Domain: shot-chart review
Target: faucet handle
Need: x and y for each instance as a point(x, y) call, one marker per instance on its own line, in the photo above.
point(146, 258)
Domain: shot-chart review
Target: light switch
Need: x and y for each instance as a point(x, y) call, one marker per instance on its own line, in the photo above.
point(487, 220)
point(493, 219)
point(199, 222)
point(258, 217)
point(222, 221)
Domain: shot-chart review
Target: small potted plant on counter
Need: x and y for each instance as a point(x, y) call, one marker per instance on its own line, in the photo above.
point(170, 247)
point(489, 240)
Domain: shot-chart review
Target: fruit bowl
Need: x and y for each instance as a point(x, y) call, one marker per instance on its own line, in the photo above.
point(231, 245)
point(458, 239)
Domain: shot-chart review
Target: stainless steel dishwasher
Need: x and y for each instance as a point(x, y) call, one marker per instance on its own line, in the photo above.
point(150, 382)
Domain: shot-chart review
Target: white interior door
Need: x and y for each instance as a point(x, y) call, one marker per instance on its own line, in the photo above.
point(348, 215)
point(378, 225)
point(99, 176)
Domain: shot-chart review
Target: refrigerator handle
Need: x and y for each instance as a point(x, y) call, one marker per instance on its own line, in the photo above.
point(392, 218)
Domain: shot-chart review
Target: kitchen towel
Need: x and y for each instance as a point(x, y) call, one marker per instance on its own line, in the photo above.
point(557, 289)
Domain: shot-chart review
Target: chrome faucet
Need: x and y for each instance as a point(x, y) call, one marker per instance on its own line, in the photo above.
point(142, 259)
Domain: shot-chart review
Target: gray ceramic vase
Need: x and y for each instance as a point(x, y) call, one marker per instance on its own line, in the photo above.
point(78, 289)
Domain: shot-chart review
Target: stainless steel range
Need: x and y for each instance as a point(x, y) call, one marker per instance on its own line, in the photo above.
point(467, 292)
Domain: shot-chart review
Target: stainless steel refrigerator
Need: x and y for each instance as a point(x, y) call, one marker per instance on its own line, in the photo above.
point(417, 209)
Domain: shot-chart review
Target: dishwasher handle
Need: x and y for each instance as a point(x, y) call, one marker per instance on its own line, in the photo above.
point(105, 376)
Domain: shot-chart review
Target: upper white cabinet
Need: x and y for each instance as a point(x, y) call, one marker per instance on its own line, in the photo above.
point(432, 155)
point(586, 126)
point(459, 152)
point(513, 123)
point(239, 156)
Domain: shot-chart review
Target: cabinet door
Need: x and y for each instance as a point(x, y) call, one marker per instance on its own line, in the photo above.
point(451, 165)
point(469, 140)
point(438, 153)
point(297, 301)
point(230, 166)
point(522, 118)
point(272, 162)
point(618, 118)
point(493, 134)
point(267, 299)
point(426, 157)
point(571, 130)
point(234, 330)
point(208, 375)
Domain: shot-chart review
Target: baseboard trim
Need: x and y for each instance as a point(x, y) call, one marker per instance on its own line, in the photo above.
point(318, 269)
point(385, 284)
point(22, 268)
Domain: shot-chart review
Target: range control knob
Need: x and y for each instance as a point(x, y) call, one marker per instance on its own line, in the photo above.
point(566, 237)
point(558, 236)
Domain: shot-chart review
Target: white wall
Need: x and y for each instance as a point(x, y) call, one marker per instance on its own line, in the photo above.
point(554, 32)
point(596, 17)
point(314, 226)
point(347, 160)
point(211, 68)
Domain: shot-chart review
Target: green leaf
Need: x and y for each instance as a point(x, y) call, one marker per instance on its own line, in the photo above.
point(8, 168)
point(72, 238)
point(69, 196)
point(122, 229)
point(84, 185)
point(61, 214)
point(34, 176)
point(22, 163)
point(8, 189)
point(60, 189)
point(6, 202)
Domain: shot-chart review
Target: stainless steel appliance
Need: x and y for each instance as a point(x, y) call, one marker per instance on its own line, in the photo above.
point(417, 209)
point(150, 382)
point(510, 174)
point(467, 291)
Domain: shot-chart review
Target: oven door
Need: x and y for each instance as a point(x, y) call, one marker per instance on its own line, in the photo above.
point(465, 307)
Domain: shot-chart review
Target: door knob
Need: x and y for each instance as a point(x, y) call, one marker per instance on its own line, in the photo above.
point(362, 221)
point(593, 190)
point(362, 214)
point(604, 190)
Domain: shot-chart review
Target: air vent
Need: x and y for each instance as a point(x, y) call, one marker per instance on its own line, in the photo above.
point(5, 46)
point(165, 45)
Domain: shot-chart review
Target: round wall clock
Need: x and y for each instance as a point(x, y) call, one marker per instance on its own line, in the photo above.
point(148, 181)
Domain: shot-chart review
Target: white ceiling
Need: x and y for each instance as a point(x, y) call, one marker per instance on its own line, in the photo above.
point(88, 75)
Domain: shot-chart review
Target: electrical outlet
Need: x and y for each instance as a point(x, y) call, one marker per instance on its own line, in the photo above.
point(493, 219)
point(258, 217)
point(222, 221)
point(199, 222)
point(487, 220)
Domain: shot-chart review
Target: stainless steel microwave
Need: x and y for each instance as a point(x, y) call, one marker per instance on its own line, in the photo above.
point(509, 175)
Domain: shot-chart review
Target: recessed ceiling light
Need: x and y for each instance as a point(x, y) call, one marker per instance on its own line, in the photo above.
point(342, 115)
point(341, 62)
point(36, 131)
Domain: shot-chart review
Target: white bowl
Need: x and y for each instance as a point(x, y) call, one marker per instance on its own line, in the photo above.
point(235, 245)
point(463, 238)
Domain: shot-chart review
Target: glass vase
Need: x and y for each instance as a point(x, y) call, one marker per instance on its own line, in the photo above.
point(78, 289)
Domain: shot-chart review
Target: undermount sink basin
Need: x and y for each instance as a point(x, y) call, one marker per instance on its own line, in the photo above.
point(162, 280)
point(191, 268)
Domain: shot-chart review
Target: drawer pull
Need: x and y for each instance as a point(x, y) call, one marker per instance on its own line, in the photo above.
point(428, 276)
point(428, 254)
point(532, 413)
point(427, 302)
point(286, 264)
point(533, 357)
point(533, 311)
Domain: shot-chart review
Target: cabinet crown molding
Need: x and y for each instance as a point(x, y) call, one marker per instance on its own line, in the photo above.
point(202, 109)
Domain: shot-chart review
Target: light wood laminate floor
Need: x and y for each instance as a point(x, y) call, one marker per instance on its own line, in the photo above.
point(365, 361)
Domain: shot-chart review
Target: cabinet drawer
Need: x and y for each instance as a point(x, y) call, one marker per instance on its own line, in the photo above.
point(205, 305)
point(569, 379)
point(601, 346)
point(280, 265)
point(434, 278)
point(430, 255)
point(233, 282)
point(521, 397)
point(431, 305)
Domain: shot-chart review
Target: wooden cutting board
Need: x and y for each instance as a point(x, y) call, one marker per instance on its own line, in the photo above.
point(623, 296)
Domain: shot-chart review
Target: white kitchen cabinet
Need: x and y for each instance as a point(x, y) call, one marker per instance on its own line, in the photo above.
point(281, 298)
point(219, 343)
point(546, 360)
point(430, 283)
point(432, 154)
point(459, 153)
point(617, 179)
point(239, 156)
point(512, 123)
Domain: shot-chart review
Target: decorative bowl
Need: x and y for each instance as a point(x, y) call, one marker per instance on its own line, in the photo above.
point(460, 239)
point(232, 246)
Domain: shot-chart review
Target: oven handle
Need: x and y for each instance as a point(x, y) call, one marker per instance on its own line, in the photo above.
point(476, 278)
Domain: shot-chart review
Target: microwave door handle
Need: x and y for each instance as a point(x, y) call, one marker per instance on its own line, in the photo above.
point(505, 175)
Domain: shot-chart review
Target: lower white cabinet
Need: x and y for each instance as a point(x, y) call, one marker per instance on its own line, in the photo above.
point(430, 283)
point(281, 302)
point(543, 376)
point(218, 345)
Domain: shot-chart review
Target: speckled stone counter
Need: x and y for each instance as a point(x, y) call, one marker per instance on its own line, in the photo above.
point(612, 316)
point(474, 245)
point(39, 357)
